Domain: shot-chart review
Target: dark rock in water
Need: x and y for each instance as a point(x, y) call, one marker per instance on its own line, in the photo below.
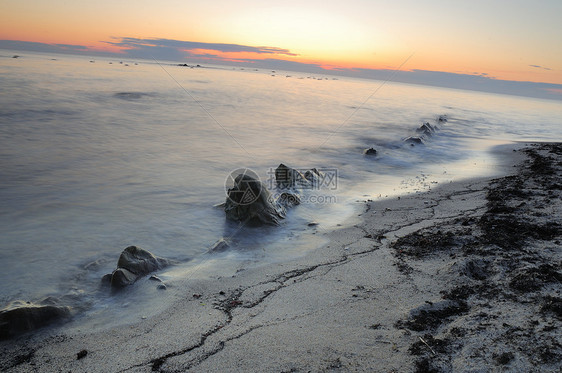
point(426, 129)
point(250, 201)
point(412, 140)
point(312, 175)
point(131, 95)
point(20, 317)
point(287, 177)
point(122, 277)
point(442, 118)
point(134, 263)
point(370, 151)
point(106, 279)
point(15, 56)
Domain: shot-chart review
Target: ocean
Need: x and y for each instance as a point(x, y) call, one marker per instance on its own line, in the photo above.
point(97, 154)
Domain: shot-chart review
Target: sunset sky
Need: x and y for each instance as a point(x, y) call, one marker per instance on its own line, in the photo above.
point(503, 39)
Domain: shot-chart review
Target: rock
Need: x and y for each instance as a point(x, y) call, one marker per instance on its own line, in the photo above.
point(426, 129)
point(106, 279)
point(134, 263)
point(370, 151)
point(313, 175)
point(221, 245)
point(412, 140)
point(287, 177)
point(250, 201)
point(122, 277)
point(442, 118)
point(20, 317)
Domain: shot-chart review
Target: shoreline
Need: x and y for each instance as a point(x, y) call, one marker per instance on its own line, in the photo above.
point(419, 283)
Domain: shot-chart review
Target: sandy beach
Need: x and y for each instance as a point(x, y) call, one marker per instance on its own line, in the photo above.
point(464, 278)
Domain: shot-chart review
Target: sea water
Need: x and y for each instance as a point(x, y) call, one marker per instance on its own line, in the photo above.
point(99, 154)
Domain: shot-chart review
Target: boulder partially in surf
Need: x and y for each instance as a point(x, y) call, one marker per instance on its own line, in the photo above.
point(426, 129)
point(133, 264)
point(249, 201)
point(287, 177)
point(370, 151)
point(20, 317)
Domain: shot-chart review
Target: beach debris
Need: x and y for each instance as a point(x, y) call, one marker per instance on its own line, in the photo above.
point(370, 151)
point(428, 346)
point(82, 354)
point(133, 264)
point(20, 316)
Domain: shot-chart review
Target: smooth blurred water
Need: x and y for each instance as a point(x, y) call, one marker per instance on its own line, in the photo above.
point(97, 156)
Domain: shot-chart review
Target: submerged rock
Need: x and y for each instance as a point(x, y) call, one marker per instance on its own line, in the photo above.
point(413, 140)
point(370, 151)
point(134, 263)
point(219, 246)
point(20, 317)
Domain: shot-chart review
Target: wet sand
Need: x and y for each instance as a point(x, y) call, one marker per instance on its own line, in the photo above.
point(466, 277)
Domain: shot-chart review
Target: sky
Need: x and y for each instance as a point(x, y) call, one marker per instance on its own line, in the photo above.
point(514, 40)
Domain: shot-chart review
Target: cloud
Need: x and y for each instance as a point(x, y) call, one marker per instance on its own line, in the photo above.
point(540, 67)
point(42, 47)
point(274, 58)
point(178, 48)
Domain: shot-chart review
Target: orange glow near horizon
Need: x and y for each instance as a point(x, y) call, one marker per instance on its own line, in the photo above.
point(359, 34)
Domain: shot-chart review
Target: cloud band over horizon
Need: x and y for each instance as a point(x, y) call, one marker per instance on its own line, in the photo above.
point(267, 57)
